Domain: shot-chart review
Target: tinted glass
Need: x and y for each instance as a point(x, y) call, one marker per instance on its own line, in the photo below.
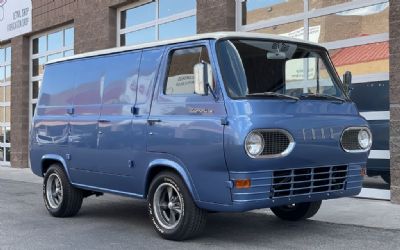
point(139, 36)
point(58, 85)
point(179, 28)
point(180, 75)
point(148, 69)
point(172, 7)
point(37, 66)
point(91, 75)
point(138, 15)
point(121, 82)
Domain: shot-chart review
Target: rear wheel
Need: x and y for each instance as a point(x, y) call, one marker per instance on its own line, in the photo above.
point(171, 208)
point(60, 197)
point(297, 211)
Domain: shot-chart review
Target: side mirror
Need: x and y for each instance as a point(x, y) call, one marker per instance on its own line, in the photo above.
point(202, 78)
point(347, 81)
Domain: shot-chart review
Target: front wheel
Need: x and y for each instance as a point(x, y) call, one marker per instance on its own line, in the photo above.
point(297, 211)
point(171, 208)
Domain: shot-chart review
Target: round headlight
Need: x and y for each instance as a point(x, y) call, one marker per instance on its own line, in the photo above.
point(254, 144)
point(364, 139)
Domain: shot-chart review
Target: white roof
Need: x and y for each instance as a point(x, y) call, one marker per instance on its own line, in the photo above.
point(215, 35)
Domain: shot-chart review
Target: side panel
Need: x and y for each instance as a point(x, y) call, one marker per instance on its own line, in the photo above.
point(188, 127)
point(84, 121)
point(49, 134)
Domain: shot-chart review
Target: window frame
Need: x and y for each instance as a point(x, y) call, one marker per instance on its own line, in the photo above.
point(157, 22)
point(186, 98)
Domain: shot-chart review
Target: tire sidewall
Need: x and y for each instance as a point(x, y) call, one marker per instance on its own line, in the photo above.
point(60, 174)
point(170, 179)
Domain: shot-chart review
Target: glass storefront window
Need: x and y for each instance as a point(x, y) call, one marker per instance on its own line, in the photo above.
point(261, 10)
point(141, 14)
point(55, 41)
point(5, 87)
point(362, 60)
point(354, 23)
point(318, 4)
point(293, 30)
point(156, 20)
point(178, 28)
point(139, 36)
point(172, 7)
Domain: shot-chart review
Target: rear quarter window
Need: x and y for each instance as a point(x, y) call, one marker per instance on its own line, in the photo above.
point(58, 85)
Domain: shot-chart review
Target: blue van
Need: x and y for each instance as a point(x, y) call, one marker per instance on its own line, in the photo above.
point(221, 122)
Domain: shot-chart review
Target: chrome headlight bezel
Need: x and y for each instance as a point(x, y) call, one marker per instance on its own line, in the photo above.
point(362, 149)
point(261, 155)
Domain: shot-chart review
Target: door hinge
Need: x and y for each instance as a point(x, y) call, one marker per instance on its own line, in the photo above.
point(131, 164)
point(68, 156)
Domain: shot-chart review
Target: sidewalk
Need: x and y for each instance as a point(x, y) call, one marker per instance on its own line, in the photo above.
point(347, 211)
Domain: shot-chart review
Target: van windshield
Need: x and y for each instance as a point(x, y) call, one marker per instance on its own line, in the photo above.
point(277, 69)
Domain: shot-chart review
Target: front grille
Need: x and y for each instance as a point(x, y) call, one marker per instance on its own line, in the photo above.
point(291, 182)
point(276, 142)
point(349, 140)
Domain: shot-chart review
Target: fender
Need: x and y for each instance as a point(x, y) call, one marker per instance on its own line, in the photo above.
point(56, 158)
point(177, 167)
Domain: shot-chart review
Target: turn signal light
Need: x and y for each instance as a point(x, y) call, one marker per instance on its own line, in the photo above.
point(244, 183)
point(363, 172)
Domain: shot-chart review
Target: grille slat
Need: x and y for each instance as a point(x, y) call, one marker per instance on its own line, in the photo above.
point(308, 180)
point(276, 142)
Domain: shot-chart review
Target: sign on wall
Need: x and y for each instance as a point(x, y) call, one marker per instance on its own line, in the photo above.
point(15, 18)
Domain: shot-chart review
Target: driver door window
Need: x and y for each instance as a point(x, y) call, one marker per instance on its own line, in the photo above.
point(180, 79)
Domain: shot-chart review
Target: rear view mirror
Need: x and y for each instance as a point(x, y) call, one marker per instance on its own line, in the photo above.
point(202, 78)
point(347, 81)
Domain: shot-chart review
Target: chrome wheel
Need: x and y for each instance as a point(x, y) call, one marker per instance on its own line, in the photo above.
point(54, 191)
point(168, 205)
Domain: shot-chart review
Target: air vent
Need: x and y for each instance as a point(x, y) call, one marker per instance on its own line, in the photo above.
point(305, 181)
point(276, 143)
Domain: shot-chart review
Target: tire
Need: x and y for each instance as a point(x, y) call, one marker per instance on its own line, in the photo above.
point(298, 211)
point(386, 178)
point(171, 208)
point(60, 197)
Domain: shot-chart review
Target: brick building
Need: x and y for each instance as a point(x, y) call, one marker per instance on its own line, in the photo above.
point(356, 32)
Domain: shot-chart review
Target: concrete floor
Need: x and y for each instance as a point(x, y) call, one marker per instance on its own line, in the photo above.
point(122, 223)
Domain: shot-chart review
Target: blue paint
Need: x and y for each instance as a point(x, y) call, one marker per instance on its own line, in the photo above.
point(115, 150)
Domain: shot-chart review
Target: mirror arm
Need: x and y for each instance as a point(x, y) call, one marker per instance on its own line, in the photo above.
point(212, 92)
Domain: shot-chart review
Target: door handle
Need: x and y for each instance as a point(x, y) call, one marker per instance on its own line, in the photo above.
point(103, 121)
point(153, 121)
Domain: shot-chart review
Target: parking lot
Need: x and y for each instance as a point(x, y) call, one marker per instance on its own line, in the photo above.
point(111, 222)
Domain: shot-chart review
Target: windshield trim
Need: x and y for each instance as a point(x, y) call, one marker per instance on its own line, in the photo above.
point(322, 51)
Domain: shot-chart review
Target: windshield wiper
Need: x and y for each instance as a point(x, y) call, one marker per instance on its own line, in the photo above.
point(321, 96)
point(274, 94)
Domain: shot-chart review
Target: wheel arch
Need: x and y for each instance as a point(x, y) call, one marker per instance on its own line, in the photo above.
point(50, 159)
point(157, 166)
